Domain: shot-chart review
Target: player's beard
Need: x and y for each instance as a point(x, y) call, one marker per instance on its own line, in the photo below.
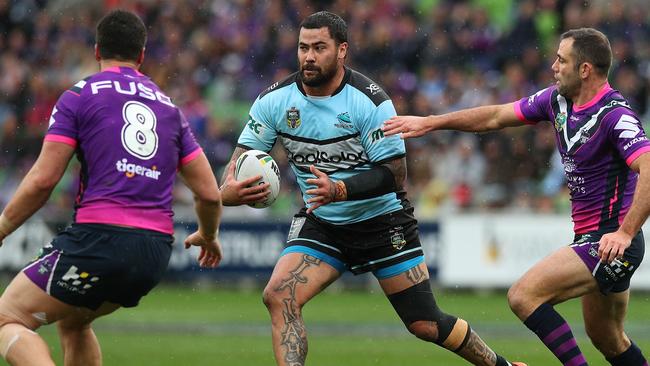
point(323, 76)
point(570, 87)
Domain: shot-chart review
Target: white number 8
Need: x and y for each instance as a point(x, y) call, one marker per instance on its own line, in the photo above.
point(139, 132)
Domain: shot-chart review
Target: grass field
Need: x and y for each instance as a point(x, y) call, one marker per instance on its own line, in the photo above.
point(182, 326)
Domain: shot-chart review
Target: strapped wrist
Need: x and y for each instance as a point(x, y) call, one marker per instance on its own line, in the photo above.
point(375, 182)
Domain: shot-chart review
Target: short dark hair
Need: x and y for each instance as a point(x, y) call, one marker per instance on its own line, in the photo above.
point(121, 35)
point(335, 24)
point(591, 45)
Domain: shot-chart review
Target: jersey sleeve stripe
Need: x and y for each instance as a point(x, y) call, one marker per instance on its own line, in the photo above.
point(636, 154)
point(391, 158)
point(60, 138)
point(191, 156)
point(520, 114)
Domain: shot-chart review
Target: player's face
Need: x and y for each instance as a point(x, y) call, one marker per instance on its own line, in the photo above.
point(318, 56)
point(565, 70)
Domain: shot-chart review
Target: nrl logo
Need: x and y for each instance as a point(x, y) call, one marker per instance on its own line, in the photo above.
point(397, 240)
point(560, 121)
point(293, 117)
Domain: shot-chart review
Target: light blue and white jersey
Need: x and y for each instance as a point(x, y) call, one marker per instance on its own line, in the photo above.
point(339, 134)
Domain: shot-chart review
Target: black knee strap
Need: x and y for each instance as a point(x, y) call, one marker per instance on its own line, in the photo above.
point(417, 303)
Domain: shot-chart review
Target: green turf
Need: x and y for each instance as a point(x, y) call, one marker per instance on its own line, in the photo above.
point(181, 326)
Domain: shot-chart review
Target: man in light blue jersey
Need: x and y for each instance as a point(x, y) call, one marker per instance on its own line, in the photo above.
point(328, 118)
point(131, 141)
point(605, 155)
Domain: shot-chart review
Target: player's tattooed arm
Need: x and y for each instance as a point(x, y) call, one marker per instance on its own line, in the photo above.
point(233, 159)
point(379, 180)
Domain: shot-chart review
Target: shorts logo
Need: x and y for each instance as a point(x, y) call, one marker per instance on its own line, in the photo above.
point(293, 117)
point(71, 280)
point(296, 226)
point(397, 238)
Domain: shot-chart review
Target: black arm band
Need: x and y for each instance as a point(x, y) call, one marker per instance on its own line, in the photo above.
point(372, 183)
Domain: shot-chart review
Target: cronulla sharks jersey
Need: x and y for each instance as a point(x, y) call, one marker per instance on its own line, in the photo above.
point(597, 142)
point(339, 134)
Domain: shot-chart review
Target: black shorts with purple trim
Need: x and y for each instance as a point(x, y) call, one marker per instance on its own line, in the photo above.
point(386, 245)
point(88, 264)
point(615, 276)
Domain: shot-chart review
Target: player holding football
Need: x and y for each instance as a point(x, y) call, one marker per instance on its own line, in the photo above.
point(328, 119)
point(604, 151)
point(131, 140)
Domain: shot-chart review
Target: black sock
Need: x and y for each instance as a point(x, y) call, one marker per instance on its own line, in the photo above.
point(502, 362)
point(631, 357)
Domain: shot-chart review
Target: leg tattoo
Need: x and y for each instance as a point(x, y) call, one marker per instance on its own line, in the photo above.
point(294, 338)
point(477, 351)
point(415, 275)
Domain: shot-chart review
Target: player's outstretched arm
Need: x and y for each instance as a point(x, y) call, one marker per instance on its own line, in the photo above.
point(613, 245)
point(198, 176)
point(36, 187)
point(480, 119)
point(236, 192)
point(379, 180)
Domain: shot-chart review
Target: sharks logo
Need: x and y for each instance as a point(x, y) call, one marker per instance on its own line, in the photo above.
point(343, 120)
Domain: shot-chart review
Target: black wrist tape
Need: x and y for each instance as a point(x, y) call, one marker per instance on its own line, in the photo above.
point(372, 183)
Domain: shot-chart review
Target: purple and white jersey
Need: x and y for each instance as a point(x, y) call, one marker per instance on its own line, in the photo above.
point(130, 139)
point(597, 141)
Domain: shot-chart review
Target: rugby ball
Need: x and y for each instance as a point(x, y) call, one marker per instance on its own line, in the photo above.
point(255, 162)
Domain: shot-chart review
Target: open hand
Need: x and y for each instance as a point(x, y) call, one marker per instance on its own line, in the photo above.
point(210, 255)
point(325, 191)
point(408, 126)
point(235, 193)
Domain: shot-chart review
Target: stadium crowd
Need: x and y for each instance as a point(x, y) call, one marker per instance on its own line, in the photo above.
point(431, 56)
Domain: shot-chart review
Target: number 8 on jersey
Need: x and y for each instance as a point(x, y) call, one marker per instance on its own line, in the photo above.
point(139, 136)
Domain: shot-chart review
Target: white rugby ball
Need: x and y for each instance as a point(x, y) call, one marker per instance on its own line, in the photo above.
point(255, 162)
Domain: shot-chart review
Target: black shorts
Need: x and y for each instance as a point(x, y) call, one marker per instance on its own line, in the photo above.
point(387, 245)
point(88, 264)
point(613, 277)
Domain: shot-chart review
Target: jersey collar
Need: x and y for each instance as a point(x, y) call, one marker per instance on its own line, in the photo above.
point(123, 70)
point(604, 90)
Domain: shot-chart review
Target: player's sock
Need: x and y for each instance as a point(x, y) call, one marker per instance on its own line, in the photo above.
point(631, 357)
point(556, 334)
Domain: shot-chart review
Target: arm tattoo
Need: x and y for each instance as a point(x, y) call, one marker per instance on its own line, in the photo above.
point(294, 336)
point(340, 192)
point(416, 275)
point(233, 159)
point(398, 168)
